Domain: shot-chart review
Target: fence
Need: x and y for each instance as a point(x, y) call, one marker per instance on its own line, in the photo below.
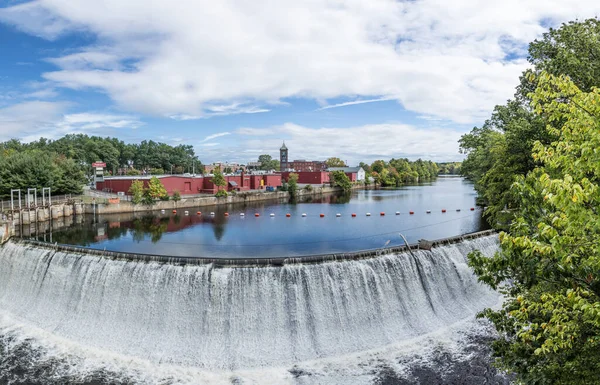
point(5, 205)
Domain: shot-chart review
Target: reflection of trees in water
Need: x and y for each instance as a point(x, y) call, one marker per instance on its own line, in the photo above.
point(219, 223)
point(151, 225)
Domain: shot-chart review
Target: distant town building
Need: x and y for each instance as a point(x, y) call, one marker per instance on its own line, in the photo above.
point(354, 173)
point(283, 158)
point(308, 166)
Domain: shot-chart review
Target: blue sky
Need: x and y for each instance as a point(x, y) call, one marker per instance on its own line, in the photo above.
point(354, 79)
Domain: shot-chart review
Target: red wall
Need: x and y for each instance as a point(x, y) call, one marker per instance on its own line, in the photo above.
point(310, 177)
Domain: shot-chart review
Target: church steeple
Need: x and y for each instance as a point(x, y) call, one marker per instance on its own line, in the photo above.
point(283, 158)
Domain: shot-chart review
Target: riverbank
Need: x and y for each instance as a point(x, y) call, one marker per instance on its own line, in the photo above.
point(115, 206)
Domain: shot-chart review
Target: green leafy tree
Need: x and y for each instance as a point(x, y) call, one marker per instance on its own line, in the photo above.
point(549, 266)
point(156, 190)
point(136, 190)
point(500, 151)
point(335, 162)
point(219, 181)
point(268, 163)
point(340, 179)
point(292, 186)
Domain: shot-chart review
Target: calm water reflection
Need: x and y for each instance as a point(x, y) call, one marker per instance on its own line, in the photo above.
point(265, 236)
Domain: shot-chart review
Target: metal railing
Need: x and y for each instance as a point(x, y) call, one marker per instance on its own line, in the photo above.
point(5, 205)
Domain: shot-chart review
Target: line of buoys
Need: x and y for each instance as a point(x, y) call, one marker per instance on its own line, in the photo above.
point(288, 215)
point(322, 215)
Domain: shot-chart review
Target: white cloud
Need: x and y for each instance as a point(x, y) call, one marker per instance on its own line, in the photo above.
point(445, 59)
point(31, 120)
point(213, 136)
point(363, 101)
point(354, 144)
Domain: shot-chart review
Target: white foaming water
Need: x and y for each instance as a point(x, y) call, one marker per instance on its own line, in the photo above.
point(205, 322)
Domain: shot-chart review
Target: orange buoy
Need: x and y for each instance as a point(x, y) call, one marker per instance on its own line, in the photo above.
point(472, 208)
point(443, 210)
point(353, 215)
point(257, 215)
point(411, 212)
point(226, 214)
point(382, 213)
point(322, 215)
point(198, 213)
point(288, 215)
point(174, 211)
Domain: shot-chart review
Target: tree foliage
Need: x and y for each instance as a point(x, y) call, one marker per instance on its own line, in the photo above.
point(340, 179)
point(136, 190)
point(219, 181)
point(549, 266)
point(268, 163)
point(156, 189)
point(23, 169)
point(292, 186)
point(398, 172)
point(335, 162)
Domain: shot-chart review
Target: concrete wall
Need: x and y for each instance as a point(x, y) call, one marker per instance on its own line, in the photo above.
point(243, 197)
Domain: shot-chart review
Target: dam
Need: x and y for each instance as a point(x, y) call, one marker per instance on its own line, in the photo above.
point(82, 316)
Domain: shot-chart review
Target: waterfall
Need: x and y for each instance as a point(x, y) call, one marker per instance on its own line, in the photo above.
point(237, 318)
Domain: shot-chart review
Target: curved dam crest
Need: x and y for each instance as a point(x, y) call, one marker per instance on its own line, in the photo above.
point(231, 318)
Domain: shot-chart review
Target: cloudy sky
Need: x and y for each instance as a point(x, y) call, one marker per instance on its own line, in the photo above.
point(361, 80)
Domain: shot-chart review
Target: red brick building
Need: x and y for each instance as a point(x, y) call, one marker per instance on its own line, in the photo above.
point(319, 177)
point(187, 185)
point(308, 166)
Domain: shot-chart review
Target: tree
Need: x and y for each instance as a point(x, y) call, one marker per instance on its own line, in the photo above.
point(268, 163)
point(219, 181)
point(500, 150)
point(340, 179)
point(549, 266)
point(335, 162)
point(292, 186)
point(227, 170)
point(156, 190)
point(136, 190)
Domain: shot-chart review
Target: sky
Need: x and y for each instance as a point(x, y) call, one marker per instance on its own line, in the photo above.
point(359, 80)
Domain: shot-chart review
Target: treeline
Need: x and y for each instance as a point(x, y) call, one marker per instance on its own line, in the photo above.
point(536, 165)
point(449, 168)
point(398, 172)
point(65, 165)
point(501, 149)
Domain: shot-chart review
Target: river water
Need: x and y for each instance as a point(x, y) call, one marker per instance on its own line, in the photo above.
point(273, 234)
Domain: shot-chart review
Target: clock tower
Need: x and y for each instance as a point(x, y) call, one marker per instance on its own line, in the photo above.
point(283, 158)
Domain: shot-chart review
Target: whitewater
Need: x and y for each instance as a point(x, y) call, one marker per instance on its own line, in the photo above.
point(73, 317)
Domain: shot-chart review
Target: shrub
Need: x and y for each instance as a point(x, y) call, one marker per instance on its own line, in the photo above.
point(137, 191)
point(133, 171)
point(157, 171)
point(221, 193)
point(176, 196)
point(308, 187)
